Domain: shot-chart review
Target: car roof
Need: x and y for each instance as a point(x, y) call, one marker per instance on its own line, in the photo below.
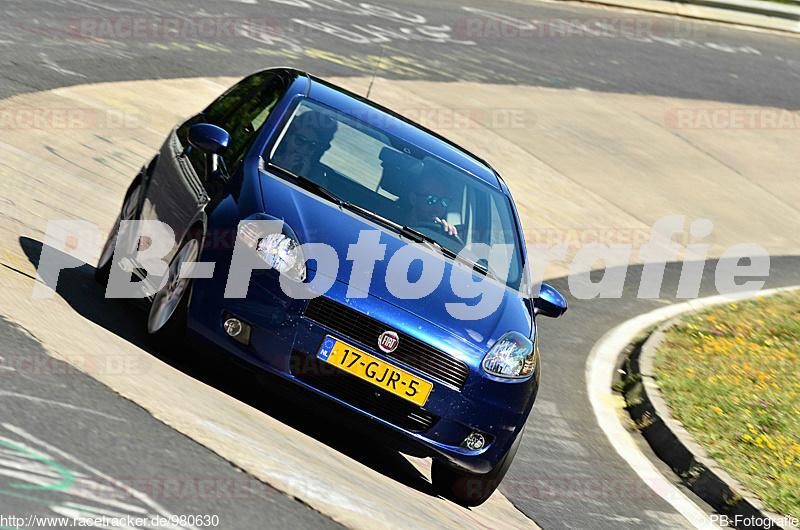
point(386, 119)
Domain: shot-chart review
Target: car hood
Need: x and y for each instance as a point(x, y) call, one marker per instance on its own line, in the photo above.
point(317, 220)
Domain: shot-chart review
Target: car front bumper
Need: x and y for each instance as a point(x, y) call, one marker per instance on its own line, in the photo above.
point(284, 340)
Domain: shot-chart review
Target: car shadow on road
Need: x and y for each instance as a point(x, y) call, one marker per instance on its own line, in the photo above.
point(335, 426)
point(325, 422)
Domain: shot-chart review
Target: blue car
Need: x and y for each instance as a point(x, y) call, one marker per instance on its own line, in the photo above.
point(327, 240)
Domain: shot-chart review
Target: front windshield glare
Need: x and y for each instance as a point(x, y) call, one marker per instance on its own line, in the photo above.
point(374, 169)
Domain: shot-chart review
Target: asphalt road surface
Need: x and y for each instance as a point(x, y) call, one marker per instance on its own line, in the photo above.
point(52, 43)
point(49, 44)
point(70, 446)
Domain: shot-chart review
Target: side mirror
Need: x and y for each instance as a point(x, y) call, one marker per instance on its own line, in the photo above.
point(213, 141)
point(208, 138)
point(549, 303)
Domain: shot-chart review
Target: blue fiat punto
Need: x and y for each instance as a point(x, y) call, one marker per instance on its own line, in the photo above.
point(321, 237)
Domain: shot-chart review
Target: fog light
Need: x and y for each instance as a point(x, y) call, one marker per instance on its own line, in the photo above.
point(474, 441)
point(236, 328)
point(233, 327)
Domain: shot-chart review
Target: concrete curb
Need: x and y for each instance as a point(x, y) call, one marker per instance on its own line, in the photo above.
point(754, 13)
point(673, 444)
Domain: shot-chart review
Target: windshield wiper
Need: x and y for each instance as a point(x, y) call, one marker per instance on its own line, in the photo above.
point(419, 237)
point(476, 266)
point(371, 215)
point(310, 185)
point(480, 268)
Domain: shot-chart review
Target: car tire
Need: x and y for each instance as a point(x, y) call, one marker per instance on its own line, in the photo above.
point(167, 316)
point(471, 489)
point(127, 212)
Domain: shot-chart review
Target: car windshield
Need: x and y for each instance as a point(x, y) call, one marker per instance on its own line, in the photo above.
point(373, 169)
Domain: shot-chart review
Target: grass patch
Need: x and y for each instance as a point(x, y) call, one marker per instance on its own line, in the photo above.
point(731, 375)
point(785, 2)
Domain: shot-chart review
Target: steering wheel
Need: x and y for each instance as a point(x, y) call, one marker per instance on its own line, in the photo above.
point(435, 230)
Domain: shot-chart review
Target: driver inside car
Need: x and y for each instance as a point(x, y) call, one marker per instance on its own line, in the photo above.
point(307, 138)
point(428, 204)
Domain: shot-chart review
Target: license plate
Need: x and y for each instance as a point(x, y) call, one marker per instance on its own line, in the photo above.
point(380, 373)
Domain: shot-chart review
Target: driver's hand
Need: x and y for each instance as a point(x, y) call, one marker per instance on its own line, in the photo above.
point(448, 228)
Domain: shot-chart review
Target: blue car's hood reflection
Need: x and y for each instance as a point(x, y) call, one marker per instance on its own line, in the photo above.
point(316, 220)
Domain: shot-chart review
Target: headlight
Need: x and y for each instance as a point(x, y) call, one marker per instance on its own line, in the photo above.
point(275, 243)
point(513, 356)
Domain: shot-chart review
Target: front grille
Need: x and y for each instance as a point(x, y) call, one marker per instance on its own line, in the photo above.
point(364, 331)
point(360, 394)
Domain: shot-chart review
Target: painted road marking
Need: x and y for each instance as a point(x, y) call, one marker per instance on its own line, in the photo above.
point(3, 367)
point(600, 367)
point(4, 393)
point(45, 468)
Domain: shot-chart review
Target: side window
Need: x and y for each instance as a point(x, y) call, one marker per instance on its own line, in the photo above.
point(241, 111)
point(244, 111)
point(502, 233)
